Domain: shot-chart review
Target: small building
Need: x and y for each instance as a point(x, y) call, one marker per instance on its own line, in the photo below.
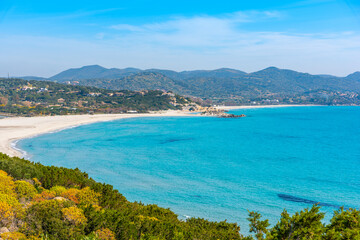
point(43, 90)
point(131, 111)
point(94, 94)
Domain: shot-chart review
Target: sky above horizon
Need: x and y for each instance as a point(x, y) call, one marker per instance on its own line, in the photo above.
point(42, 38)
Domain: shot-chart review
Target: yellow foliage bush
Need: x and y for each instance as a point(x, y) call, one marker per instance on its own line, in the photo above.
point(9, 205)
point(58, 190)
point(142, 218)
point(71, 194)
point(6, 211)
point(25, 190)
point(45, 195)
point(9, 199)
point(96, 208)
point(7, 185)
point(13, 236)
point(105, 234)
point(37, 183)
point(87, 196)
point(74, 215)
point(35, 238)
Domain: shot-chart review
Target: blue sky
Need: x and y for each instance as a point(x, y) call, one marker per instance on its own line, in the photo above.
point(45, 37)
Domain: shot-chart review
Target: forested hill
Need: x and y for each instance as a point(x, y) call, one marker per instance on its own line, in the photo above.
point(22, 97)
point(270, 85)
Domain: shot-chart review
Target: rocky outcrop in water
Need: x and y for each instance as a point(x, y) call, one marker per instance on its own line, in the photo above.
point(220, 113)
point(227, 115)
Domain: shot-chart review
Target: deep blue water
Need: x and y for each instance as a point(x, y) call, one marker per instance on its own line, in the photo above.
point(220, 168)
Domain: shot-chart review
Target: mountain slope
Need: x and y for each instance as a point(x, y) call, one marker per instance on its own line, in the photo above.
point(96, 71)
point(139, 81)
point(93, 71)
point(279, 80)
point(22, 97)
point(354, 76)
point(222, 84)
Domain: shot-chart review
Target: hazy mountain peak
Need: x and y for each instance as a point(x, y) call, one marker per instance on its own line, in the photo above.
point(92, 66)
point(93, 72)
point(230, 70)
point(354, 76)
point(272, 69)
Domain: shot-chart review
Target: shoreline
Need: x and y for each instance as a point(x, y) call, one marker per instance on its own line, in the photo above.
point(13, 129)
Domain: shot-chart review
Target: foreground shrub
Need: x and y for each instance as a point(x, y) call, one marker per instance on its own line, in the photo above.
point(6, 213)
point(7, 185)
point(105, 234)
point(58, 190)
point(345, 224)
point(46, 217)
point(45, 195)
point(25, 190)
point(86, 196)
point(13, 236)
point(71, 194)
point(9, 208)
point(74, 215)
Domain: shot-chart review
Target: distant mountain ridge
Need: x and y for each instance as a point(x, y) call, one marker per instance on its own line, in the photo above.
point(96, 71)
point(219, 85)
point(93, 71)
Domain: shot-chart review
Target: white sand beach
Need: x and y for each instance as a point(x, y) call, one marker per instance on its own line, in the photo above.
point(16, 128)
point(13, 129)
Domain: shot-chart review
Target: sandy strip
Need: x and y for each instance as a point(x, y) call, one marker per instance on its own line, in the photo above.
point(13, 129)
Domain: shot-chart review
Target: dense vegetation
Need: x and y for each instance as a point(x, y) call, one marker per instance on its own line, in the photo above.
point(268, 86)
point(45, 202)
point(23, 97)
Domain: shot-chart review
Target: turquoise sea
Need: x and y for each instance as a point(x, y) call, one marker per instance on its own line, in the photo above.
point(219, 168)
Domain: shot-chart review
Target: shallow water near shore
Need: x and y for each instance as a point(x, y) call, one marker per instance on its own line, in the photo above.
point(216, 168)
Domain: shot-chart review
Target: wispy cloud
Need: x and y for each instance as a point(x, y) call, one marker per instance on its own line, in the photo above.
point(198, 22)
point(198, 31)
point(206, 33)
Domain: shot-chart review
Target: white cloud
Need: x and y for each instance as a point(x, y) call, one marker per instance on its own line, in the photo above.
point(198, 31)
point(198, 22)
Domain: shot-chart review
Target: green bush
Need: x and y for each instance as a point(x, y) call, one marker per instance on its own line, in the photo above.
point(99, 206)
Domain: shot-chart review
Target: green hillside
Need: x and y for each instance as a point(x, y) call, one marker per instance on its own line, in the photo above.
point(41, 202)
point(21, 97)
point(271, 85)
